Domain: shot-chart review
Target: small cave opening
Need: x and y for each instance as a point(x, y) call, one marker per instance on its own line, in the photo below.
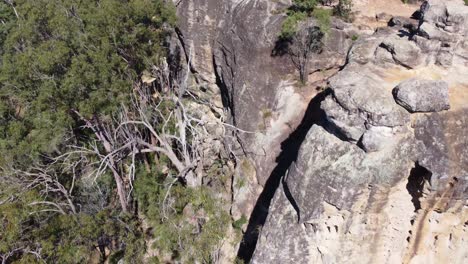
point(417, 180)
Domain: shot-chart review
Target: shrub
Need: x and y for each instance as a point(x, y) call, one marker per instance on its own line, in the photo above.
point(180, 216)
point(343, 9)
point(289, 26)
point(304, 5)
point(323, 17)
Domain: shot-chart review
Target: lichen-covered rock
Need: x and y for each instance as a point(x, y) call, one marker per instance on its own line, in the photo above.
point(417, 95)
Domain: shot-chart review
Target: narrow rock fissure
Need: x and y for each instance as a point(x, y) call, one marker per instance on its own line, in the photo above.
point(226, 97)
point(290, 148)
point(290, 198)
point(416, 181)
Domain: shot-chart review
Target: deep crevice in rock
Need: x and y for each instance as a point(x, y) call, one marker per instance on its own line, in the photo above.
point(225, 96)
point(416, 181)
point(290, 149)
point(290, 198)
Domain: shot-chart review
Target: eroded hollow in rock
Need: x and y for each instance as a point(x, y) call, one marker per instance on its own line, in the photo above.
point(419, 177)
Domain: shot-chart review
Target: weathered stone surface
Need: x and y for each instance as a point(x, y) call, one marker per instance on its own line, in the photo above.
point(359, 99)
point(363, 50)
point(445, 136)
point(417, 95)
point(444, 57)
point(232, 46)
point(340, 204)
point(430, 31)
point(352, 126)
point(448, 16)
point(408, 23)
point(318, 204)
point(282, 240)
point(442, 32)
point(369, 188)
point(331, 170)
point(376, 138)
point(403, 51)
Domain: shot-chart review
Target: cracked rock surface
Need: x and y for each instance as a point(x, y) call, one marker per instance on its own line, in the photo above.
point(385, 178)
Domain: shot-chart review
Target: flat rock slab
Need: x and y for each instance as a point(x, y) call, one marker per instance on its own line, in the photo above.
point(417, 95)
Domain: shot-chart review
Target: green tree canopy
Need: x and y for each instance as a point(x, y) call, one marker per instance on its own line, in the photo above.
point(60, 56)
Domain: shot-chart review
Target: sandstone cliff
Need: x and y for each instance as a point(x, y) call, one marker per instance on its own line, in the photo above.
point(368, 163)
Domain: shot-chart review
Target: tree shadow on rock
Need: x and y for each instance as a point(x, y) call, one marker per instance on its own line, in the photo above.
point(281, 47)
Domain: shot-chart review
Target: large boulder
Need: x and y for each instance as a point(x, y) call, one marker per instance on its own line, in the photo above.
point(359, 100)
point(404, 52)
point(329, 169)
point(319, 213)
point(417, 95)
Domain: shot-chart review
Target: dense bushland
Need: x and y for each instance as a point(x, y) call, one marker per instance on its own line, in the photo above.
point(98, 150)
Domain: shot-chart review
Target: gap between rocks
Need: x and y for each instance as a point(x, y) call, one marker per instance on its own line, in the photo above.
point(290, 148)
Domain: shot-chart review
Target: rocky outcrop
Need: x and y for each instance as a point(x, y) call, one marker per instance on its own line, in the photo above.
point(418, 95)
point(380, 176)
point(359, 101)
point(239, 68)
point(378, 183)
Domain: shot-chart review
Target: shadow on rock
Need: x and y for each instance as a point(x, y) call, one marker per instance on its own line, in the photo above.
point(290, 148)
point(281, 47)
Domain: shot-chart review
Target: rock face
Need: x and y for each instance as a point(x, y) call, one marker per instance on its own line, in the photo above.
point(238, 66)
point(422, 95)
point(381, 175)
point(378, 181)
point(234, 52)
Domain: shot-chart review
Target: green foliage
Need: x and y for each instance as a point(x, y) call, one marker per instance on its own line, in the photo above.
point(63, 238)
point(197, 215)
point(63, 55)
point(289, 26)
point(239, 222)
point(300, 11)
point(58, 57)
point(323, 17)
point(354, 37)
point(466, 2)
point(344, 9)
point(304, 5)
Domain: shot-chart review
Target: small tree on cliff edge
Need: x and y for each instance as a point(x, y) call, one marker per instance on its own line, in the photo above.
point(305, 42)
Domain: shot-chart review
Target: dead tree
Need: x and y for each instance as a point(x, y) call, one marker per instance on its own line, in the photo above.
point(147, 125)
point(306, 42)
point(45, 178)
